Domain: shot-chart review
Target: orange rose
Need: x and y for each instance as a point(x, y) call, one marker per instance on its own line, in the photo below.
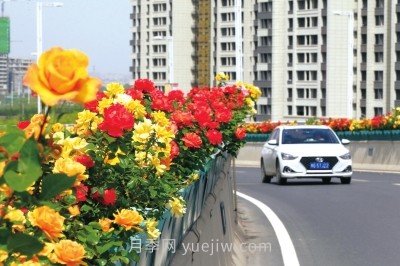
point(62, 75)
point(128, 219)
point(106, 225)
point(69, 253)
point(48, 220)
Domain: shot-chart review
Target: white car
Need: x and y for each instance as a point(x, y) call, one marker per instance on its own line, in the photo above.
point(305, 152)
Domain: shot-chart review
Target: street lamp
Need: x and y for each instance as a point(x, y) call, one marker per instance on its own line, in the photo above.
point(238, 40)
point(39, 34)
point(170, 51)
point(350, 43)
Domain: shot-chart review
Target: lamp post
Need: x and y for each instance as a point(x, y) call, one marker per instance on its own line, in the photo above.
point(350, 45)
point(238, 40)
point(39, 35)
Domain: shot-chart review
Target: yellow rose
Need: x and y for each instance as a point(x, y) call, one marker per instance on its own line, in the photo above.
point(113, 89)
point(26, 263)
point(48, 220)
point(15, 216)
point(128, 219)
point(3, 255)
point(2, 166)
point(68, 167)
point(176, 206)
point(151, 228)
point(57, 127)
point(74, 210)
point(47, 249)
point(69, 253)
point(106, 225)
point(5, 190)
point(62, 75)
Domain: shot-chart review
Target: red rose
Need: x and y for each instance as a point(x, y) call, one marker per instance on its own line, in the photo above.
point(223, 115)
point(202, 117)
point(116, 120)
point(182, 118)
point(192, 140)
point(135, 94)
point(109, 196)
point(240, 133)
point(174, 150)
point(144, 85)
point(176, 96)
point(214, 136)
point(81, 193)
point(85, 160)
point(92, 105)
point(23, 124)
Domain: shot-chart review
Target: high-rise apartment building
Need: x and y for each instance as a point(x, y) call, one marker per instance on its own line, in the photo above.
point(12, 71)
point(310, 58)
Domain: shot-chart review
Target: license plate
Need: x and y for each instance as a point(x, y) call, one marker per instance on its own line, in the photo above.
point(319, 166)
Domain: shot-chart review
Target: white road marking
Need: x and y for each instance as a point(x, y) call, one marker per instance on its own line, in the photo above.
point(360, 180)
point(396, 184)
point(287, 248)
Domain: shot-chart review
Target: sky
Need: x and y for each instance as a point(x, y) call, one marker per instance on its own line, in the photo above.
point(99, 28)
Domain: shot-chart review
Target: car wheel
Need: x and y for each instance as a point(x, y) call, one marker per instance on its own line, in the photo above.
point(279, 179)
point(265, 178)
point(345, 180)
point(326, 180)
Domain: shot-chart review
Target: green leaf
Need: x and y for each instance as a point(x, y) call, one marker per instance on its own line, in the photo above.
point(29, 159)
point(12, 141)
point(108, 246)
point(25, 244)
point(21, 174)
point(54, 184)
point(4, 234)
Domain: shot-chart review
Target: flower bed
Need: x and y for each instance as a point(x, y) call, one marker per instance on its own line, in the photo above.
point(377, 128)
point(77, 194)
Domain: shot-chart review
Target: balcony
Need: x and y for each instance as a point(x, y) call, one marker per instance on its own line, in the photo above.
point(363, 102)
point(363, 48)
point(324, 12)
point(323, 66)
point(289, 99)
point(323, 102)
point(364, 11)
point(264, 49)
point(323, 30)
point(323, 84)
point(397, 46)
point(379, 11)
point(378, 84)
point(363, 84)
point(398, 8)
point(363, 66)
point(397, 27)
point(323, 48)
point(364, 30)
point(262, 83)
point(397, 85)
point(396, 103)
point(378, 48)
point(264, 15)
point(397, 66)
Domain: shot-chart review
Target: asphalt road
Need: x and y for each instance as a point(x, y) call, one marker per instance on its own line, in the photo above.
point(334, 224)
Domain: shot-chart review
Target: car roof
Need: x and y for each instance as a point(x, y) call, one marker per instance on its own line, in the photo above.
point(303, 127)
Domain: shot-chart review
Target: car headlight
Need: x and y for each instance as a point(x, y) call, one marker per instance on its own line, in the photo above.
point(287, 156)
point(346, 156)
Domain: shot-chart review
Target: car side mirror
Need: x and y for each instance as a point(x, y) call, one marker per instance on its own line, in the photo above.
point(345, 141)
point(273, 142)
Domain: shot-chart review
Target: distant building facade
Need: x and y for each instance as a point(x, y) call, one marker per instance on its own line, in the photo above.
point(12, 71)
point(310, 58)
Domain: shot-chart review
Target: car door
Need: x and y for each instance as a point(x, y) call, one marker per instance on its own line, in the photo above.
point(269, 152)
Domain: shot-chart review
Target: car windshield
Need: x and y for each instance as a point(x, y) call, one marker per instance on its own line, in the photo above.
point(308, 135)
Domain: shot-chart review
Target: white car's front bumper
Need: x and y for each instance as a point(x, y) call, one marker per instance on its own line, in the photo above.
point(296, 169)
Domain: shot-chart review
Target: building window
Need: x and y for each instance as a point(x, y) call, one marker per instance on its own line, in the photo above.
point(266, 23)
point(380, 3)
point(266, 58)
point(227, 17)
point(160, 7)
point(363, 75)
point(300, 93)
point(160, 21)
point(378, 94)
point(379, 57)
point(397, 94)
point(226, 32)
point(379, 39)
point(290, 110)
point(379, 20)
point(159, 48)
point(266, 40)
point(228, 61)
point(378, 111)
point(378, 75)
point(266, 92)
point(265, 109)
point(266, 75)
